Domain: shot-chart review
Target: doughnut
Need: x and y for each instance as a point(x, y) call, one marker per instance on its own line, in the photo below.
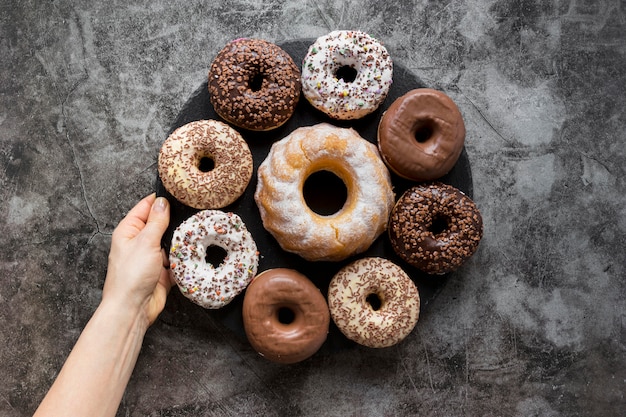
point(254, 84)
point(421, 135)
point(185, 163)
point(373, 302)
point(199, 237)
point(435, 227)
point(346, 74)
point(285, 316)
point(285, 213)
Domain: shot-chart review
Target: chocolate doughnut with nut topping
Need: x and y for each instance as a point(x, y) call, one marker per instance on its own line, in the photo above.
point(254, 84)
point(435, 227)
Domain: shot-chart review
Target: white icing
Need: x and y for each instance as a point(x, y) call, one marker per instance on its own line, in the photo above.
point(207, 285)
point(357, 319)
point(336, 97)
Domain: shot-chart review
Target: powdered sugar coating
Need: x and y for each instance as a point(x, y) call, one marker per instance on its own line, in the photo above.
point(181, 155)
point(357, 319)
point(207, 285)
point(333, 95)
point(285, 213)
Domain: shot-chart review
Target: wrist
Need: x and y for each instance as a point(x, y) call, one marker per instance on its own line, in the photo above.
point(123, 314)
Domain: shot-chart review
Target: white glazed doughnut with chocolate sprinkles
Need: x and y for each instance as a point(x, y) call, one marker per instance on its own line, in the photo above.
point(373, 302)
point(435, 227)
point(346, 74)
point(213, 286)
point(254, 84)
point(205, 164)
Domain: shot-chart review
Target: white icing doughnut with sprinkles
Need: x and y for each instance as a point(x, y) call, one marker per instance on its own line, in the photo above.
point(346, 74)
point(200, 281)
point(182, 156)
point(373, 302)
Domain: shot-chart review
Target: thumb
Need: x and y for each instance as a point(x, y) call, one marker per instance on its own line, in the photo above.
point(158, 220)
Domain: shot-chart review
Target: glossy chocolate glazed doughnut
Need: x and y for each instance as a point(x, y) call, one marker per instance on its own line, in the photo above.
point(285, 316)
point(254, 84)
point(421, 135)
point(435, 227)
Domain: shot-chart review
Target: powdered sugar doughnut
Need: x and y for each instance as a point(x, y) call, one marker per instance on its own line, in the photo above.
point(283, 208)
point(373, 302)
point(200, 281)
point(346, 74)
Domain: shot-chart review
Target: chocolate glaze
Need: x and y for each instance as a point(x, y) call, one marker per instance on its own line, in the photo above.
point(287, 289)
point(254, 84)
point(435, 227)
point(421, 135)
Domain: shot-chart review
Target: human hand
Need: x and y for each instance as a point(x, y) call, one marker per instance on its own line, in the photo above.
point(137, 276)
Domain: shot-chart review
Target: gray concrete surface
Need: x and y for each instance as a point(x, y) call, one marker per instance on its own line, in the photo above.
point(533, 325)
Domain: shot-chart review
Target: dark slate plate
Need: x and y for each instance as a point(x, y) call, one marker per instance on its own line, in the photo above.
point(198, 107)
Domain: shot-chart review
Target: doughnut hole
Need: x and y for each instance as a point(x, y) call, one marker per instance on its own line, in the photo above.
point(374, 300)
point(439, 224)
point(256, 82)
point(215, 255)
point(286, 315)
point(325, 193)
point(346, 73)
point(424, 130)
point(206, 164)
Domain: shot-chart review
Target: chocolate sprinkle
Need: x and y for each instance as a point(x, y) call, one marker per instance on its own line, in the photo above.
point(435, 227)
point(181, 156)
point(386, 325)
point(254, 84)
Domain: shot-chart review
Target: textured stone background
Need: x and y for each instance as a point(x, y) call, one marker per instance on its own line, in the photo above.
point(533, 325)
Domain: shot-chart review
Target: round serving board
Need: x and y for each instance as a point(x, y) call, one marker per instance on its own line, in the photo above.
point(198, 107)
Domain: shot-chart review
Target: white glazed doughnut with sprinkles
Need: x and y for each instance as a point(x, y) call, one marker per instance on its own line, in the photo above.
point(182, 155)
point(346, 74)
point(373, 302)
point(200, 281)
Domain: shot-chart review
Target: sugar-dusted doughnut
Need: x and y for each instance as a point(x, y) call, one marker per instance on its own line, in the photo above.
point(285, 316)
point(435, 227)
point(205, 164)
point(373, 302)
point(195, 239)
point(346, 74)
point(254, 84)
point(285, 213)
point(421, 135)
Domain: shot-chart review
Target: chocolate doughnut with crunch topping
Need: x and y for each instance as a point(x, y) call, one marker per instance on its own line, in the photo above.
point(254, 84)
point(435, 227)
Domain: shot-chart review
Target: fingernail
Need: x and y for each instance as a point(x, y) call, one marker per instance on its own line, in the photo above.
point(160, 204)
